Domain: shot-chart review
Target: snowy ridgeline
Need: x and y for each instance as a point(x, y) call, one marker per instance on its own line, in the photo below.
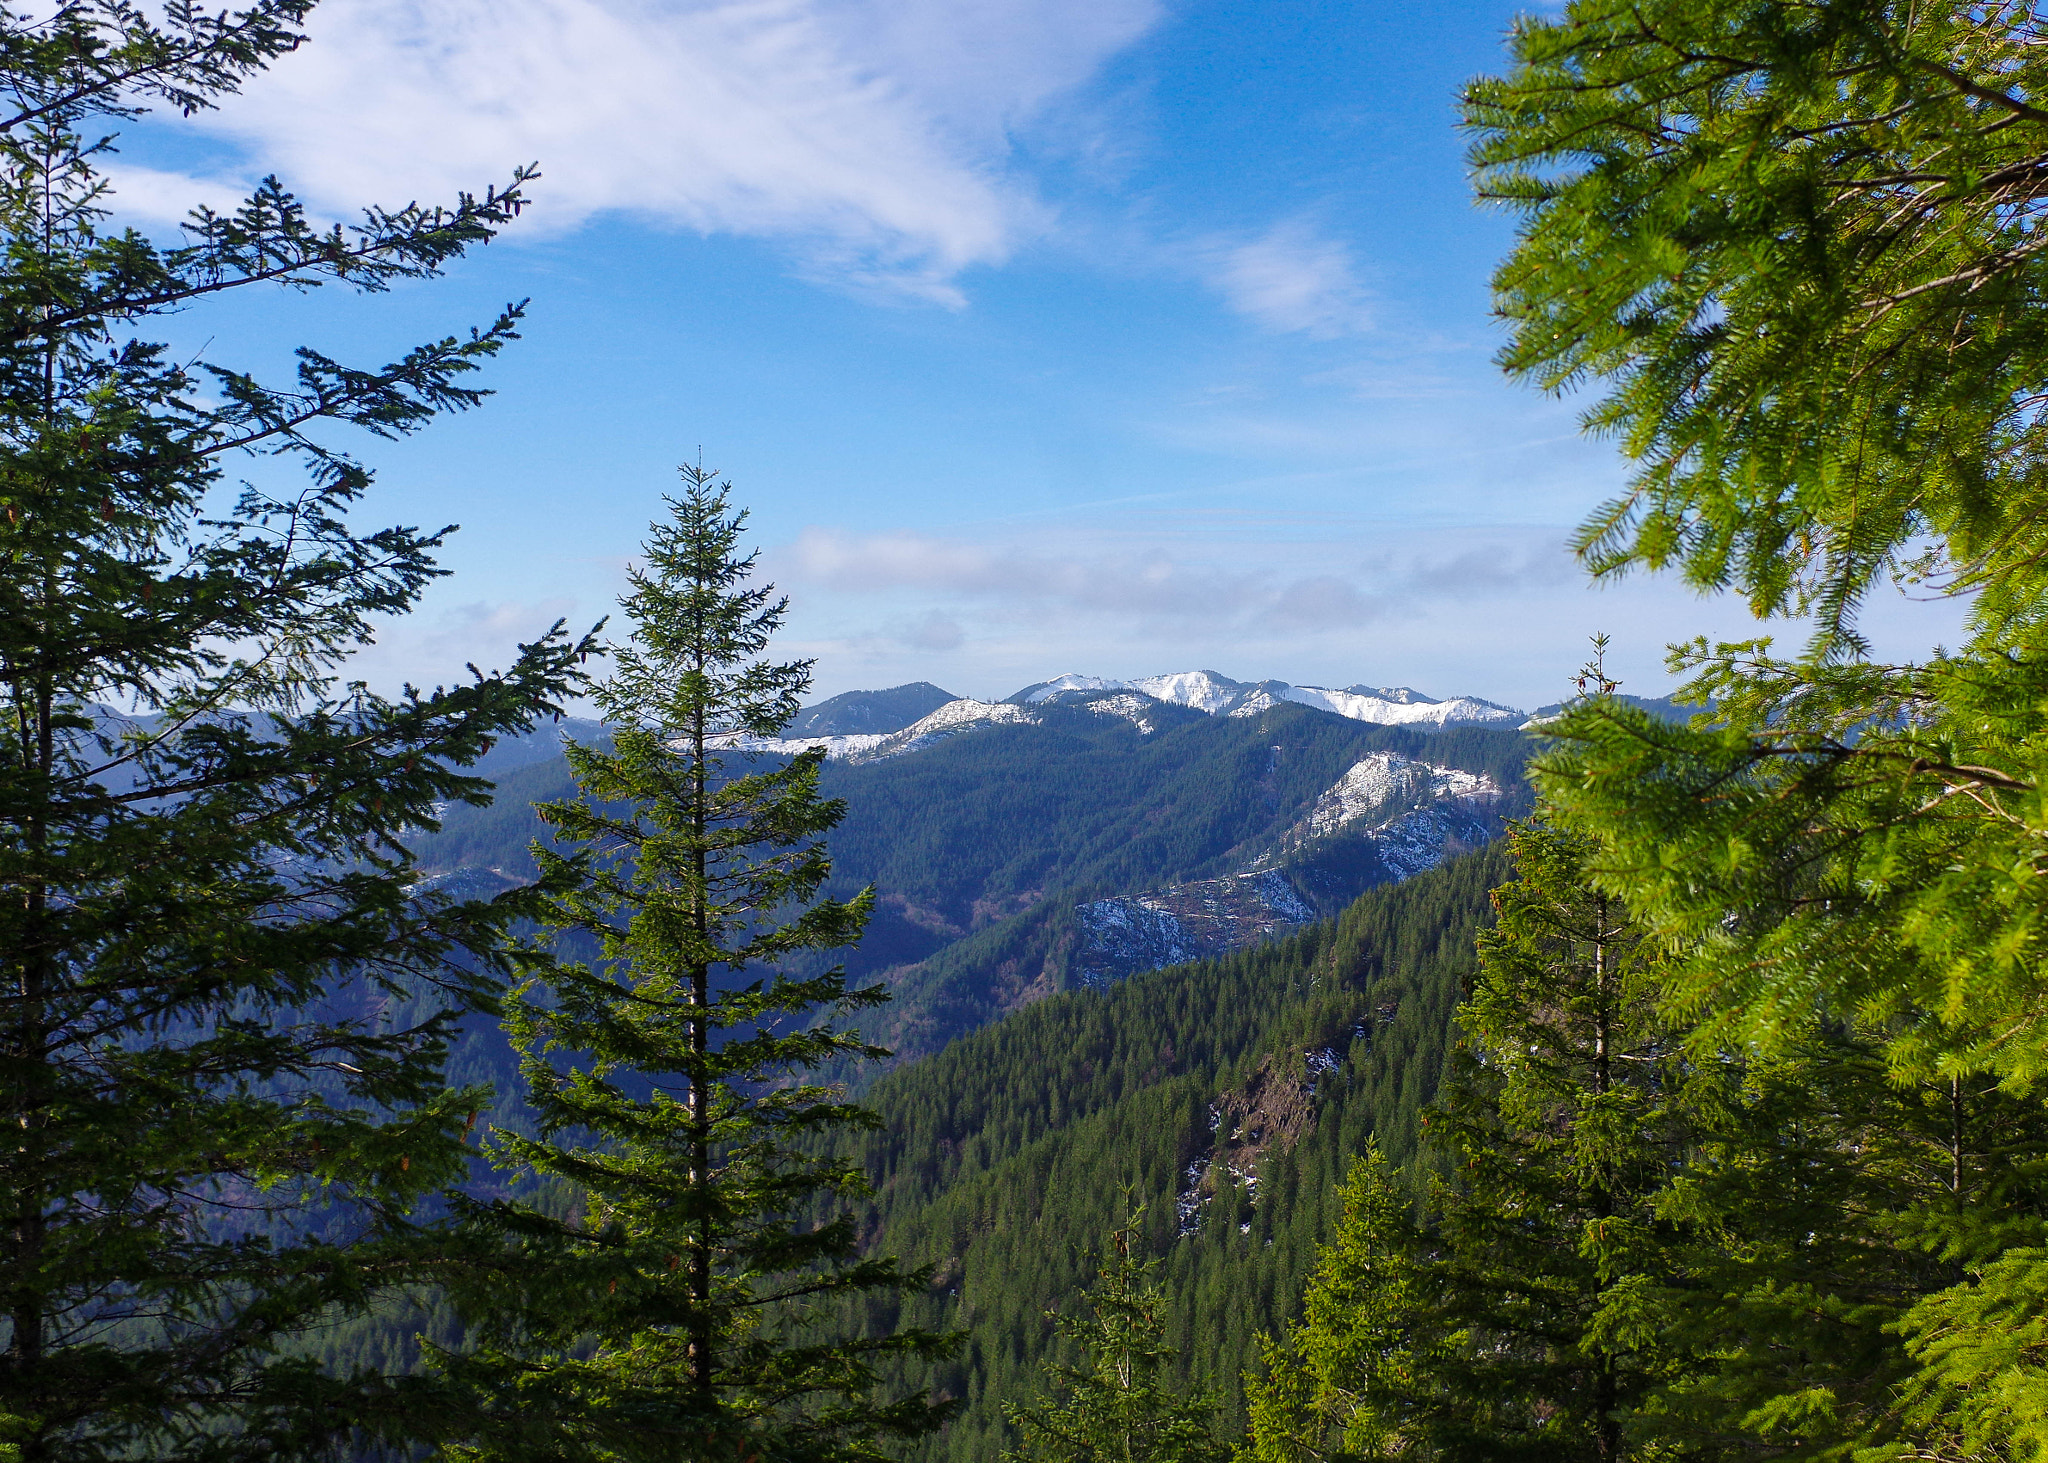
point(1413, 815)
point(1221, 696)
point(874, 746)
point(1135, 701)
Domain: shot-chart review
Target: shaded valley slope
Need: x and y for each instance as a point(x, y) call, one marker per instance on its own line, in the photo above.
point(1226, 1097)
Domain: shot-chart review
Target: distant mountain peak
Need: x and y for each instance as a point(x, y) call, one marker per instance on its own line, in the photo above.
point(869, 713)
point(1219, 695)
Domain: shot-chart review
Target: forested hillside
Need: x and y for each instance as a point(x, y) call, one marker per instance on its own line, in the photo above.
point(1227, 1097)
point(984, 847)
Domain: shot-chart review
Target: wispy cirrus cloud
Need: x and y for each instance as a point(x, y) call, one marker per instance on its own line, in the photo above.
point(1146, 584)
point(1201, 587)
point(869, 137)
point(1293, 277)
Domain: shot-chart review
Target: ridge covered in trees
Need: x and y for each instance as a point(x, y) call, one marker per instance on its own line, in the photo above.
point(980, 848)
point(1004, 1160)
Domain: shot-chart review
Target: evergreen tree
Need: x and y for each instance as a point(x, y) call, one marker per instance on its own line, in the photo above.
point(1003, 1157)
point(1120, 1406)
point(1560, 1123)
point(1354, 1381)
point(1797, 244)
point(1796, 248)
point(1524, 1325)
point(1792, 247)
point(216, 1137)
point(1800, 1217)
point(681, 1308)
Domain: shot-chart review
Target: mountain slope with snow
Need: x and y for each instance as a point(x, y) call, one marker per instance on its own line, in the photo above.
point(862, 712)
point(1394, 816)
point(1220, 696)
point(986, 845)
point(1204, 691)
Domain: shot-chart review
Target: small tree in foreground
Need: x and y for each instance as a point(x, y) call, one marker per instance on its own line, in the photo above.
point(1120, 1406)
point(683, 1308)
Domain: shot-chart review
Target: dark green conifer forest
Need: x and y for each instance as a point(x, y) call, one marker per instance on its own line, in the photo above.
point(1005, 1159)
point(769, 1111)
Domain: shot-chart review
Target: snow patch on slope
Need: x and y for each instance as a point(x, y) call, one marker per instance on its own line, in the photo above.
point(954, 716)
point(1383, 778)
point(1134, 709)
point(1203, 690)
point(1403, 706)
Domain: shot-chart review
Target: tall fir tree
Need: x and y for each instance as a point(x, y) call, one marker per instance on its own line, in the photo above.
point(1524, 1322)
point(217, 1137)
point(1561, 1124)
point(1120, 1404)
point(685, 1306)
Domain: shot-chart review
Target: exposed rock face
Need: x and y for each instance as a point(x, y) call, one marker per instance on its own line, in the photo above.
point(1404, 816)
point(1270, 1113)
point(1187, 922)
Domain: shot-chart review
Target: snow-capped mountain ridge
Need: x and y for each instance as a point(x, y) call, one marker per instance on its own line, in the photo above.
point(874, 746)
point(1202, 690)
point(1218, 695)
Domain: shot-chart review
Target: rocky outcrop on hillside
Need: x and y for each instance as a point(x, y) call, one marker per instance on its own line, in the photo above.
point(1184, 922)
point(1272, 1110)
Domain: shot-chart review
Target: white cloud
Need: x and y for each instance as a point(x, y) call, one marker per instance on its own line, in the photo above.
point(1146, 585)
point(151, 195)
point(932, 630)
point(1291, 278)
point(870, 136)
point(1498, 612)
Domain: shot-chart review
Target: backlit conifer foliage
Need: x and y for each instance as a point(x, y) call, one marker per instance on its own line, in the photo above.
point(1792, 256)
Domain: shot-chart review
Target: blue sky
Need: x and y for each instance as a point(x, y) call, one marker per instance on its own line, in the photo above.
point(1119, 336)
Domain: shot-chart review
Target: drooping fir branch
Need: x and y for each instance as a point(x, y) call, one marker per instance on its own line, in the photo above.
point(225, 1005)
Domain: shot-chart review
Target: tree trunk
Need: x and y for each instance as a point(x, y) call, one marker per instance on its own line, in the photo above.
point(701, 1359)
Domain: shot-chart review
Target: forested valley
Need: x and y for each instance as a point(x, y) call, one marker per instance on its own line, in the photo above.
point(566, 1063)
